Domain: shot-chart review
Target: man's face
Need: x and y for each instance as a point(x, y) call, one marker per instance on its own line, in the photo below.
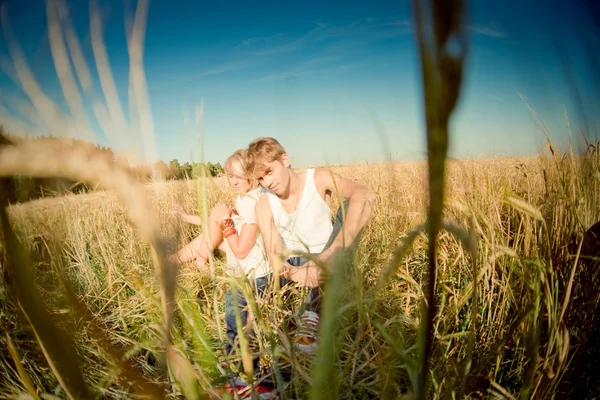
point(275, 175)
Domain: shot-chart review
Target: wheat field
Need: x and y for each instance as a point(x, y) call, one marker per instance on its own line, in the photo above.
point(90, 307)
point(525, 216)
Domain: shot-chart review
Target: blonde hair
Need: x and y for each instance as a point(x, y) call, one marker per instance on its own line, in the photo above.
point(261, 151)
point(237, 165)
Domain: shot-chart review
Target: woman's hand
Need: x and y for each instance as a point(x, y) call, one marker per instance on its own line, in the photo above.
point(221, 211)
point(176, 209)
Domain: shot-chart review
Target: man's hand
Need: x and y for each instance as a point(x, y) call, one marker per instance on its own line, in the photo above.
point(308, 274)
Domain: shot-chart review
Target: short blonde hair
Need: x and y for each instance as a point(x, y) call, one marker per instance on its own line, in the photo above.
point(261, 151)
point(237, 165)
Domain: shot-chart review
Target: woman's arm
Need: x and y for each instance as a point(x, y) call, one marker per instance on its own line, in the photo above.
point(185, 217)
point(241, 243)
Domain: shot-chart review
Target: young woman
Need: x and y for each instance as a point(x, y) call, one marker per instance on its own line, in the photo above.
point(235, 232)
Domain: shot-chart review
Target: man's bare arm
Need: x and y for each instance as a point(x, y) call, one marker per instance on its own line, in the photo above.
point(360, 207)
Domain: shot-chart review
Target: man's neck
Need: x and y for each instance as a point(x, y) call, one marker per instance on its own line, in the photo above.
point(295, 188)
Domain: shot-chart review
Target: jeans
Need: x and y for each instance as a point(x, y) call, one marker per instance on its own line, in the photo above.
point(260, 284)
point(313, 299)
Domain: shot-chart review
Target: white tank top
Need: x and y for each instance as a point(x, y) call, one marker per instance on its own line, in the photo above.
point(309, 227)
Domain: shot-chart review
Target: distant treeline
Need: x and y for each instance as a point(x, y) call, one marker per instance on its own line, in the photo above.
point(193, 170)
point(25, 188)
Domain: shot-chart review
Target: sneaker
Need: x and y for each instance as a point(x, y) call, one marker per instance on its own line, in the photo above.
point(305, 339)
point(242, 390)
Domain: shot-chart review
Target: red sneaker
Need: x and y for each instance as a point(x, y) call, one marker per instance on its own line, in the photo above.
point(242, 390)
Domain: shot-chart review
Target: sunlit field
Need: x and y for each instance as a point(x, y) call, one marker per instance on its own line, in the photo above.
point(516, 224)
point(473, 278)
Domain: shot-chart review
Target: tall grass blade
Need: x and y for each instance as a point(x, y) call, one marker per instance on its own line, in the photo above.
point(469, 242)
point(399, 255)
point(195, 325)
point(25, 379)
point(324, 378)
point(437, 23)
point(184, 375)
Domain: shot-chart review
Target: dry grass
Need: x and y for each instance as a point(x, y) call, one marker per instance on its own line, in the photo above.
point(524, 265)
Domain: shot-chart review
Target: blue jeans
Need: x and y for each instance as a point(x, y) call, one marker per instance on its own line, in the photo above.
point(260, 284)
point(313, 299)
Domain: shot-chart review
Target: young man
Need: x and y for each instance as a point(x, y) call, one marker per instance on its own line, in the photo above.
point(294, 218)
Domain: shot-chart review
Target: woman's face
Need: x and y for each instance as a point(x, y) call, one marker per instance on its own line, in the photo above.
point(239, 185)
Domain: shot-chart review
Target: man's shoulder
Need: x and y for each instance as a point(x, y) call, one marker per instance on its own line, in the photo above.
point(323, 176)
point(321, 171)
point(265, 193)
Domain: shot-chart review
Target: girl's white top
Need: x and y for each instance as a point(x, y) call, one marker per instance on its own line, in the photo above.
point(309, 227)
point(256, 263)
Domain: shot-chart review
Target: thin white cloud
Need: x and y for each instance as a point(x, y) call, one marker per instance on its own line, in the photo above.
point(291, 75)
point(309, 66)
point(285, 75)
point(335, 56)
point(219, 69)
point(493, 32)
point(323, 59)
point(258, 40)
point(400, 22)
point(496, 98)
point(234, 66)
point(363, 30)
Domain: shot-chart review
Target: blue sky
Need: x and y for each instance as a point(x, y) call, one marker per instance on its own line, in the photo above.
point(323, 76)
